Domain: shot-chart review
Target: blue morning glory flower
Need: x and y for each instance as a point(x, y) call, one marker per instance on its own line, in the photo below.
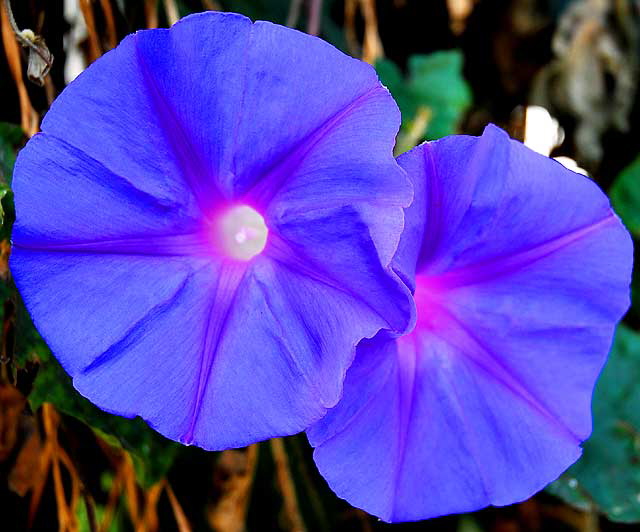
point(520, 271)
point(205, 224)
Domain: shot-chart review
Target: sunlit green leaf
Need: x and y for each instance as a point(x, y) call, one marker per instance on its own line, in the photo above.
point(435, 82)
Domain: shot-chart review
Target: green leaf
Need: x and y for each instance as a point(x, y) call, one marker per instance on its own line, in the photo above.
point(625, 196)
point(435, 82)
point(152, 454)
point(11, 137)
point(607, 475)
point(625, 199)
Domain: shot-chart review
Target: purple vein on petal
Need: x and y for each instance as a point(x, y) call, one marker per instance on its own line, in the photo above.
point(263, 190)
point(492, 366)
point(362, 412)
point(471, 435)
point(116, 182)
point(230, 278)
point(189, 157)
point(481, 157)
point(489, 269)
point(182, 245)
point(243, 98)
point(433, 223)
point(407, 353)
point(297, 261)
point(138, 329)
point(280, 337)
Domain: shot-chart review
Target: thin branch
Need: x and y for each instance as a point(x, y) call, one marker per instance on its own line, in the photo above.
point(287, 486)
point(315, 16)
point(171, 10)
point(178, 512)
point(294, 13)
point(29, 119)
point(90, 507)
point(151, 13)
point(12, 22)
point(112, 36)
point(89, 19)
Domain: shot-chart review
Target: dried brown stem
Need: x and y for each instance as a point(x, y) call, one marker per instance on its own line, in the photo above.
point(372, 46)
point(315, 16)
point(178, 512)
point(90, 21)
point(286, 485)
point(211, 5)
point(90, 507)
point(171, 10)
point(29, 117)
point(294, 13)
point(112, 36)
point(233, 476)
point(151, 13)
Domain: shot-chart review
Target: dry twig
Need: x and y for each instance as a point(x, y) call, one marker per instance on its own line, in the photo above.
point(372, 49)
point(151, 13)
point(286, 485)
point(315, 16)
point(233, 478)
point(171, 11)
point(112, 36)
point(94, 39)
point(29, 120)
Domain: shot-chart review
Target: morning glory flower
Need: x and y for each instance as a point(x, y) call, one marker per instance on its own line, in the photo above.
point(520, 271)
point(205, 226)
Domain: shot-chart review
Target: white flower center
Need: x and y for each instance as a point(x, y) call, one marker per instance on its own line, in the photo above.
point(243, 233)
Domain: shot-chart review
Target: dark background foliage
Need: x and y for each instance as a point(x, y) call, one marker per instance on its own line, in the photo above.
point(453, 66)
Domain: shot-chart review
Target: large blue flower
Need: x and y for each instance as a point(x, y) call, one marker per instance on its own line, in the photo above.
point(205, 224)
point(520, 271)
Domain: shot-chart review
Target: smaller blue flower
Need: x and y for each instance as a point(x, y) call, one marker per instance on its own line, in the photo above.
point(205, 225)
point(520, 271)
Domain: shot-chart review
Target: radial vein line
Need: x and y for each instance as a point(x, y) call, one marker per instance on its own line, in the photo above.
point(230, 278)
point(267, 187)
point(283, 256)
point(188, 244)
point(491, 268)
point(134, 333)
point(501, 373)
point(407, 369)
point(170, 122)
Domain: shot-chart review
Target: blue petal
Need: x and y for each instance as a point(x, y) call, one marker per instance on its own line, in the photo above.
point(63, 196)
point(288, 343)
point(117, 198)
point(522, 273)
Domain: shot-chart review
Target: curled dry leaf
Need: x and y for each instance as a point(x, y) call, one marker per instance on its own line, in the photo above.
point(29, 117)
point(12, 403)
point(40, 58)
point(27, 471)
